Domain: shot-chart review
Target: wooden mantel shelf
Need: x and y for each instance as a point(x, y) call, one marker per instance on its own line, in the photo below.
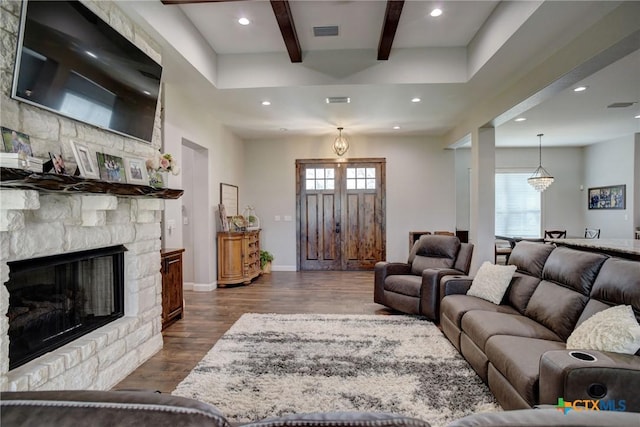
point(27, 180)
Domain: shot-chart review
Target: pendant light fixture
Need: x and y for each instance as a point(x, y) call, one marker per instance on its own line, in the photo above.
point(340, 145)
point(541, 179)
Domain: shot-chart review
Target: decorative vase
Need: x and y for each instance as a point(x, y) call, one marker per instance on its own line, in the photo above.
point(157, 179)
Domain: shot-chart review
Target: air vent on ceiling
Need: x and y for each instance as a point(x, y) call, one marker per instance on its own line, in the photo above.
point(326, 31)
point(620, 105)
point(338, 100)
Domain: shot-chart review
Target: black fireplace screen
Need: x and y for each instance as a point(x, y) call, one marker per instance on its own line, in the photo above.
point(54, 300)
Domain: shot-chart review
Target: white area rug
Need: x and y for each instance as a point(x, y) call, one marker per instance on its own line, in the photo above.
point(270, 365)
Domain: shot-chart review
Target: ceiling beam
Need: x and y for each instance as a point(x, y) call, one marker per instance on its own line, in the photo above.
point(288, 29)
point(389, 27)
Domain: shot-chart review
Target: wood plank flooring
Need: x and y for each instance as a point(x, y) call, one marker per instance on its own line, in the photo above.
point(208, 315)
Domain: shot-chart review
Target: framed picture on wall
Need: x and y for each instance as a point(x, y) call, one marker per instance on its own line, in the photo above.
point(611, 197)
point(229, 198)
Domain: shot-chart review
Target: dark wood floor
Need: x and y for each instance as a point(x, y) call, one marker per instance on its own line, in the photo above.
point(208, 315)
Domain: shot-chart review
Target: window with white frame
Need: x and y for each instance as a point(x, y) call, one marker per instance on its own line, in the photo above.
point(518, 211)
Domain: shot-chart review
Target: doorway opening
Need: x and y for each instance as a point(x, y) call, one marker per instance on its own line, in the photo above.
point(341, 210)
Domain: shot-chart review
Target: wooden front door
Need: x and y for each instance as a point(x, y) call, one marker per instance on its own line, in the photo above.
point(341, 214)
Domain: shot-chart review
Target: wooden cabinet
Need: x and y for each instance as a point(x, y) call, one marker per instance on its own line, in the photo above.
point(172, 298)
point(238, 257)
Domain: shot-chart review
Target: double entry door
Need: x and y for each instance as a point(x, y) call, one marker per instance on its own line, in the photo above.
point(341, 213)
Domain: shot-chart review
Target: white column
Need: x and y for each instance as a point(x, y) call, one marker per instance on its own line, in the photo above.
point(482, 195)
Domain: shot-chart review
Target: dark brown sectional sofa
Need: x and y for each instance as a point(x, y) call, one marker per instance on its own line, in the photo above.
point(519, 346)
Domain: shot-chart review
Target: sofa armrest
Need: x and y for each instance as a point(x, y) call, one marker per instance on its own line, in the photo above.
point(430, 295)
point(106, 408)
point(455, 285)
point(382, 269)
point(613, 378)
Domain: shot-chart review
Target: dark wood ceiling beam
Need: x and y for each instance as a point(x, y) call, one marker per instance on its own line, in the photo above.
point(389, 27)
point(284, 17)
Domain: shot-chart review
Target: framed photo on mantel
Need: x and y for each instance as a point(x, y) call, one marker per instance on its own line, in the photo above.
point(611, 197)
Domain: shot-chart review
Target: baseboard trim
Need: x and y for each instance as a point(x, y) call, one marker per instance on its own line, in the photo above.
point(283, 268)
point(199, 287)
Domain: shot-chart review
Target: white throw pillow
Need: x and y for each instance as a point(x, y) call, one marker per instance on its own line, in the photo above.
point(614, 329)
point(491, 281)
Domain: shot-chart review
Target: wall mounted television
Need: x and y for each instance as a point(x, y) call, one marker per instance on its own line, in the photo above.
point(71, 62)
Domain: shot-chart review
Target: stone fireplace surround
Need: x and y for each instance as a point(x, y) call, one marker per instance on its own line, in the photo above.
point(35, 224)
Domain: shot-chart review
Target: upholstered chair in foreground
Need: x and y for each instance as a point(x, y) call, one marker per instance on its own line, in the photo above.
point(414, 287)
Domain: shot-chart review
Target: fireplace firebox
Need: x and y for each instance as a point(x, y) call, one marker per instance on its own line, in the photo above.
point(54, 300)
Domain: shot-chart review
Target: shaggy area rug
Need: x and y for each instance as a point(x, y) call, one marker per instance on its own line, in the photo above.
point(270, 365)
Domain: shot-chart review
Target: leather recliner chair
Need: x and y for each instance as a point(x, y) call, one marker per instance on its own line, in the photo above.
point(414, 287)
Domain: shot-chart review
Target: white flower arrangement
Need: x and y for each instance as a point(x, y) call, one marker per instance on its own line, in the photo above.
point(163, 163)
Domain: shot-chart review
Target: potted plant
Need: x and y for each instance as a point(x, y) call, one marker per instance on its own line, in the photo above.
point(265, 261)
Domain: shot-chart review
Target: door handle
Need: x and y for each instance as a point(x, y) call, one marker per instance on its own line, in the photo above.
point(338, 227)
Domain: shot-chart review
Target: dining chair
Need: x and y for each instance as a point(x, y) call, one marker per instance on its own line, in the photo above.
point(555, 234)
point(591, 233)
point(503, 247)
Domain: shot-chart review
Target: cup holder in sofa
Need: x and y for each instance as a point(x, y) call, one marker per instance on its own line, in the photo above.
point(580, 355)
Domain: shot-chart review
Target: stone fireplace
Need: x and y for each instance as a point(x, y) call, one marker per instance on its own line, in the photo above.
point(36, 224)
point(56, 299)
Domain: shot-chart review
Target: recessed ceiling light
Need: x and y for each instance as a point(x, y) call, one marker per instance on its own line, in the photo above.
point(91, 54)
point(244, 21)
point(580, 88)
point(638, 116)
point(520, 119)
point(265, 103)
point(283, 129)
point(146, 92)
point(436, 12)
point(396, 127)
point(416, 99)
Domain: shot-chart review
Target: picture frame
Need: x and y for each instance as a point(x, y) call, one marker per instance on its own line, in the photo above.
point(86, 165)
point(136, 171)
point(610, 197)
point(229, 198)
point(57, 163)
point(111, 168)
point(16, 142)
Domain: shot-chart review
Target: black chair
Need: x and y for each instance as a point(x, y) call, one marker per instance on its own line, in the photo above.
point(591, 233)
point(503, 247)
point(555, 234)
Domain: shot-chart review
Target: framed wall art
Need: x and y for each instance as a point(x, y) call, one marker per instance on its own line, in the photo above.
point(229, 198)
point(611, 197)
point(86, 165)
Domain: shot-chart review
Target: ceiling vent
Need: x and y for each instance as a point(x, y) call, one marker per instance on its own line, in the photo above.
point(338, 100)
point(620, 105)
point(326, 31)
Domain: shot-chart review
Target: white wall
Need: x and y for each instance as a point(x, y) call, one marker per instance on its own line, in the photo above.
point(611, 163)
point(184, 119)
point(420, 187)
point(562, 202)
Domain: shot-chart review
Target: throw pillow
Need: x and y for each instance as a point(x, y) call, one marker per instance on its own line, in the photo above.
point(491, 281)
point(614, 329)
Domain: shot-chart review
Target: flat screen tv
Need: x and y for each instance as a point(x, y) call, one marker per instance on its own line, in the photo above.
point(71, 62)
